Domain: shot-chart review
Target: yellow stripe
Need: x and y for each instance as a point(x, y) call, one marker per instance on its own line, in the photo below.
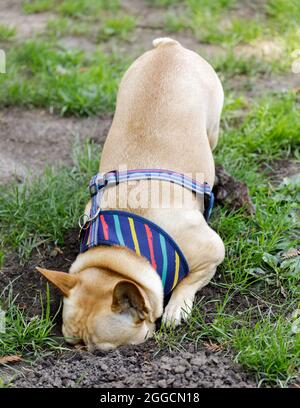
point(134, 237)
point(176, 270)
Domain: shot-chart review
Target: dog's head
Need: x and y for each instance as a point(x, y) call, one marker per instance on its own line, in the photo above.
point(102, 310)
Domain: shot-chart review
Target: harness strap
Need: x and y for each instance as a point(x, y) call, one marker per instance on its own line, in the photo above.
point(112, 178)
point(142, 236)
point(114, 227)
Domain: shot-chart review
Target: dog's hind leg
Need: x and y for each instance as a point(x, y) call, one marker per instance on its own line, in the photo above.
point(214, 114)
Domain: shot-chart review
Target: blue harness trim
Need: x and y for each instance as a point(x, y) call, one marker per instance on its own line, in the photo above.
point(114, 227)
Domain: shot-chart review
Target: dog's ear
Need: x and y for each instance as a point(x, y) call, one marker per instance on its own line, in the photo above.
point(63, 281)
point(129, 298)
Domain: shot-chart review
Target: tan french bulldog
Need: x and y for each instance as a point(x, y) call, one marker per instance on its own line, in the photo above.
point(167, 116)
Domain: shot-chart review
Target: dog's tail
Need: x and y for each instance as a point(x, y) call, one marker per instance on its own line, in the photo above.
point(162, 41)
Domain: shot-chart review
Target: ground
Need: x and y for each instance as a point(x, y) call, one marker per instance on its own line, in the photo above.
point(64, 63)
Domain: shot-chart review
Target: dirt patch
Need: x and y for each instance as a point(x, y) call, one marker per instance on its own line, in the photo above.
point(279, 169)
point(264, 49)
point(26, 25)
point(150, 24)
point(232, 192)
point(31, 139)
point(142, 39)
point(137, 366)
point(78, 43)
point(273, 83)
point(248, 9)
point(149, 15)
point(259, 86)
point(28, 283)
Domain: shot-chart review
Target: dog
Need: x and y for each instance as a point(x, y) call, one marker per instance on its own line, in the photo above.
point(167, 116)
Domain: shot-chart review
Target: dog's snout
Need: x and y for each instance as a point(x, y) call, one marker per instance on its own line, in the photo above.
point(104, 346)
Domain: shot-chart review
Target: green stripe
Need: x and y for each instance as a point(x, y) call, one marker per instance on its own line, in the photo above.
point(118, 230)
point(165, 258)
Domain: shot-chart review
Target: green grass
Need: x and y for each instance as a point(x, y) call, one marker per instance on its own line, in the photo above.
point(63, 26)
point(68, 82)
point(215, 22)
point(40, 73)
point(119, 26)
point(4, 384)
point(38, 6)
point(231, 65)
point(262, 342)
point(269, 347)
point(97, 20)
point(175, 23)
point(72, 8)
point(264, 236)
point(1, 258)
point(270, 131)
point(86, 7)
point(282, 12)
point(24, 335)
point(40, 211)
point(203, 17)
point(163, 3)
point(240, 72)
point(6, 33)
point(234, 32)
point(43, 210)
point(44, 74)
point(255, 133)
point(206, 22)
point(253, 266)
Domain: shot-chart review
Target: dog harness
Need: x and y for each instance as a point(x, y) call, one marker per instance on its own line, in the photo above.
point(145, 238)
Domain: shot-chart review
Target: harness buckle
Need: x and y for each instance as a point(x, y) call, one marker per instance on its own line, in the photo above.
point(116, 175)
point(93, 189)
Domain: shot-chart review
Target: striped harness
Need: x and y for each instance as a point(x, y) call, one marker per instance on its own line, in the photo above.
point(145, 238)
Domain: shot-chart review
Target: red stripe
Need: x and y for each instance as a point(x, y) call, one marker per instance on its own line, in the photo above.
point(105, 227)
point(150, 243)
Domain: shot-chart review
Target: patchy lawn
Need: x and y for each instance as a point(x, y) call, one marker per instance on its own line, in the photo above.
point(244, 330)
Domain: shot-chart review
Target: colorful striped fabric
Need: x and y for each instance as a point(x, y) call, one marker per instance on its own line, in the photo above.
point(145, 238)
point(137, 233)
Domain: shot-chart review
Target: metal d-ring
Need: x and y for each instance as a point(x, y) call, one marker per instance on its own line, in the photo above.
point(83, 221)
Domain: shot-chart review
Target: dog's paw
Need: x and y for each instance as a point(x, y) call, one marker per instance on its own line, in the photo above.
point(175, 314)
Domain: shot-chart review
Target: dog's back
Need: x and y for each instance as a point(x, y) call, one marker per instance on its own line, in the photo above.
point(167, 113)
